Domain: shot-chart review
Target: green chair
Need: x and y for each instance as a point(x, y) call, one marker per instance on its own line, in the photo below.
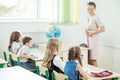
point(16, 58)
point(7, 57)
point(1, 65)
point(59, 76)
point(43, 71)
point(13, 58)
point(115, 78)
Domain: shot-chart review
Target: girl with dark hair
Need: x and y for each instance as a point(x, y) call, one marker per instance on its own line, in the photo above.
point(15, 42)
point(73, 67)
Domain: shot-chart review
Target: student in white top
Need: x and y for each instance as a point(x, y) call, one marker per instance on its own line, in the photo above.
point(24, 54)
point(94, 26)
point(15, 42)
point(51, 59)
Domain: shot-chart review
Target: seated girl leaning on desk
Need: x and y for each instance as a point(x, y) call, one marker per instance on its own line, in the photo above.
point(73, 67)
point(24, 51)
point(51, 59)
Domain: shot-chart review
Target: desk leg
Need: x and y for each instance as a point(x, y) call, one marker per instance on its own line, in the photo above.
point(89, 62)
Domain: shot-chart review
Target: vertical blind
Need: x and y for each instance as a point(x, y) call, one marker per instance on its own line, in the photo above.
point(65, 11)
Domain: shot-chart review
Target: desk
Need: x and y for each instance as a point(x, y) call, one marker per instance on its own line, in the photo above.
point(18, 73)
point(37, 53)
point(93, 68)
point(64, 52)
point(3, 62)
point(40, 52)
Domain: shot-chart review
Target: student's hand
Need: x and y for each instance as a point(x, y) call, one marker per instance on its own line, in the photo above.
point(33, 57)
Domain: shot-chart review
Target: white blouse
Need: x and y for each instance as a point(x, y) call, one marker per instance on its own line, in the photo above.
point(59, 63)
point(93, 22)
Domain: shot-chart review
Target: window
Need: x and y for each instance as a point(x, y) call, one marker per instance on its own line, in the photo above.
point(18, 9)
point(57, 11)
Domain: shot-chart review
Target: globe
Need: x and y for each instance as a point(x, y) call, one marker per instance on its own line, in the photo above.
point(53, 32)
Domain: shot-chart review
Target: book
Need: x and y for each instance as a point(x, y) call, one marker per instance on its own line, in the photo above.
point(104, 73)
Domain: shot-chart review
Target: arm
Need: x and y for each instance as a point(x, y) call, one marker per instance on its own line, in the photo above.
point(24, 55)
point(79, 68)
point(100, 30)
point(59, 63)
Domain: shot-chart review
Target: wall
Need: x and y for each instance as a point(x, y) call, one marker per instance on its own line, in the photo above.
point(71, 35)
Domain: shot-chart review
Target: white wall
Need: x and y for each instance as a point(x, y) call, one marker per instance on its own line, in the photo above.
point(71, 35)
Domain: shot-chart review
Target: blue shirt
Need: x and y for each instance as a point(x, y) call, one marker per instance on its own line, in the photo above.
point(70, 70)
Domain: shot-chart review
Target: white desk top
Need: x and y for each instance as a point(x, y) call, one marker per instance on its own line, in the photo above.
point(37, 53)
point(18, 73)
point(2, 61)
point(63, 48)
point(97, 69)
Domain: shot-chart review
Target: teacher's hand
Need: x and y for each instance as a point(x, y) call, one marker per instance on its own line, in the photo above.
point(90, 34)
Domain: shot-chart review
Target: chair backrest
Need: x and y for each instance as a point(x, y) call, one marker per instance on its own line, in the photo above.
point(43, 71)
point(1, 65)
point(15, 58)
point(59, 76)
point(6, 55)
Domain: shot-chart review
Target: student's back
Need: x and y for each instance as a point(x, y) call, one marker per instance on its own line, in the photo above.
point(15, 46)
point(15, 42)
point(54, 64)
point(51, 60)
point(70, 70)
point(73, 67)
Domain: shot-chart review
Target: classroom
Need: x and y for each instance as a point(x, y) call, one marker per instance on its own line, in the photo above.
point(59, 40)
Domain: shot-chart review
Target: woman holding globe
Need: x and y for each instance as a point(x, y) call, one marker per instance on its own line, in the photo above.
point(94, 26)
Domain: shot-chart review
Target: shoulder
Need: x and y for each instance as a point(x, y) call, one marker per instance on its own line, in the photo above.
point(57, 58)
point(24, 47)
point(14, 43)
point(71, 63)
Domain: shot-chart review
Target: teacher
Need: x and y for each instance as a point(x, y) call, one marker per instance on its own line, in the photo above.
point(94, 26)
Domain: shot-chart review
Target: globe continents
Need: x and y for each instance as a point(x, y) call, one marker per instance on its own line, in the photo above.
point(53, 32)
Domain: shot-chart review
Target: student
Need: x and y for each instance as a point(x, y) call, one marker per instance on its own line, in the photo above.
point(51, 59)
point(73, 67)
point(15, 42)
point(24, 54)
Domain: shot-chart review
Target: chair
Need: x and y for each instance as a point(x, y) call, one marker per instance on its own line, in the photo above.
point(59, 76)
point(7, 57)
point(15, 58)
point(43, 71)
point(1, 65)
